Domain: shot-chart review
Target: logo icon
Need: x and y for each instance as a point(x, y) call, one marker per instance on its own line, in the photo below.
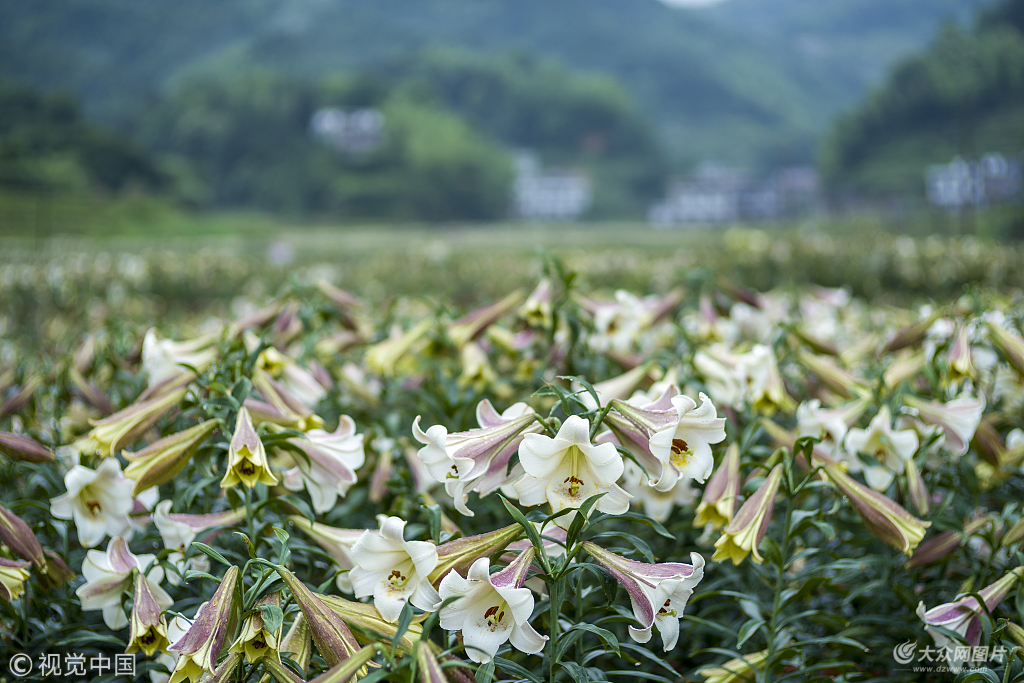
point(20, 665)
point(904, 652)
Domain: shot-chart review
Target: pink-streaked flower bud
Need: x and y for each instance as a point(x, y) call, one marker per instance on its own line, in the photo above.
point(90, 393)
point(880, 514)
point(817, 344)
point(201, 645)
point(934, 549)
point(24, 449)
point(123, 428)
point(384, 357)
point(747, 529)
point(258, 318)
point(472, 325)
point(1009, 344)
point(13, 575)
point(334, 640)
point(903, 368)
point(958, 419)
point(1014, 535)
point(619, 387)
point(298, 643)
point(461, 553)
point(1016, 633)
point(344, 301)
point(382, 469)
point(16, 535)
point(165, 458)
point(19, 400)
point(427, 663)
point(658, 593)
point(720, 495)
point(227, 671)
point(838, 380)
point(288, 410)
point(147, 627)
point(742, 670)
point(916, 489)
point(366, 617)
point(57, 571)
point(912, 335)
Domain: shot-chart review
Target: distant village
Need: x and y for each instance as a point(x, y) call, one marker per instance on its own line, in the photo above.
point(714, 194)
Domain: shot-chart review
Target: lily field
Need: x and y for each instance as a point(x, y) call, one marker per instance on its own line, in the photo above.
point(541, 454)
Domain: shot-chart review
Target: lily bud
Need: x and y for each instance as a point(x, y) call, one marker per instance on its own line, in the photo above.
point(912, 335)
point(288, 411)
point(148, 628)
point(472, 325)
point(536, 311)
point(817, 345)
point(256, 640)
point(281, 673)
point(619, 387)
point(17, 536)
point(384, 356)
point(24, 449)
point(13, 575)
point(247, 459)
point(719, 501)
point(336, 542)
point(122, 428)
point(57, 572)
point(298, 643)
point(367, 618)
point(883, 517)
point(199, 648)
point(90, 393)
point(840, 381)
point(165, 458)
point(20, 399)
point(916, 489)
point(350, 668)
point(903, 368)
point(334, 640)
point(1014, 535)
point(746, 531)
point(1015, 632)
point(736, 670)
point(426, 663)
point(934, 549)
point(381, 470)
point(1009, 344)
point(225, 673)
point(461, 553)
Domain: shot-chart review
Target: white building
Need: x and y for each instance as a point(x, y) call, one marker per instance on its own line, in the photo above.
point(551, 194)
point(962, 183)
point(357, 131)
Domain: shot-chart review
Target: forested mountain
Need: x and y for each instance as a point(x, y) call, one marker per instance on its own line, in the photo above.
point(963, 95)
point(728, 82)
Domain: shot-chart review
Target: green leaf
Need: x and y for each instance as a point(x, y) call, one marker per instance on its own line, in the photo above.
point(586, 385)
point(434, 522)
point(748, 629)
point(531, 531)
point(241, 390)
point(207, 550)
point(510, 667)
point(403, 625)
point(607, 636)
point(578, 673)
point(485, 673)
point(970, 675)
point(580, 520)
point(273, 617)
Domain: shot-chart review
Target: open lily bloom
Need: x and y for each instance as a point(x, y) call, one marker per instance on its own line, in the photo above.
point(179, 530)
point(163, 359)
point(475, 460)
point(657, 592)
point(330, 465)
point(890, 448)
point(108, 576)
point(958, 419)
point(394, 571)
point(656, 504)
point(99, 501)
point(829, 425)
point(297, 380)
point(491, 609)
point(964, 616)
point(567, 469)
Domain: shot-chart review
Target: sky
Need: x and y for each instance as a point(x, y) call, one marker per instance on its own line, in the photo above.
point(691, 3)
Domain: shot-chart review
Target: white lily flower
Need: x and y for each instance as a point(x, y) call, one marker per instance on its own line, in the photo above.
point(684, 448)
point(567, 469)
point(829, 425)
point(333, 458)
point(656, 504)
point(889, 447)
point(958, 419)
point(179, 530)
point(108, 575)
point(657, 592)
point(394, 571)
point(98, 501)
point(491, 609)
point(296, 379)
point(163, 359)
point(477, 459)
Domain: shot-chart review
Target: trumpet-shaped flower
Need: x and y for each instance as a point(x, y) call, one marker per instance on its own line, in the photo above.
point(122, 428)
point(829, 425)
point(148, 629)
point(890, 448)
point(964, 616)
point(24, 449)
point(747, 529)
point(13, 575)
point(566, 470)
point(684, 448)
point(740, 670)
point(247, 459)
point(330, 465)
point(255, 640)
point(657, 592)
point(958, 419)
point(394, 571)
point(18, 536)
point(491, 609)
point(476, 459)
point(298, 381)
point(99, 501)
point(385, 357)
point(165, 458)
point(656, 504)
point(336, 542)
point(108, 576)
point(179, 530)
point(719, 501)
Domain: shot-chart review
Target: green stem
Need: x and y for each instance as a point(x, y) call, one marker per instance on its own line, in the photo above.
point(780, 571)
point(598, 420)
point(555, 594)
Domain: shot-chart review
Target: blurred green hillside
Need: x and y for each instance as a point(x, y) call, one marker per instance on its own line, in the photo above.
point(729, 82)
point(963, 95)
